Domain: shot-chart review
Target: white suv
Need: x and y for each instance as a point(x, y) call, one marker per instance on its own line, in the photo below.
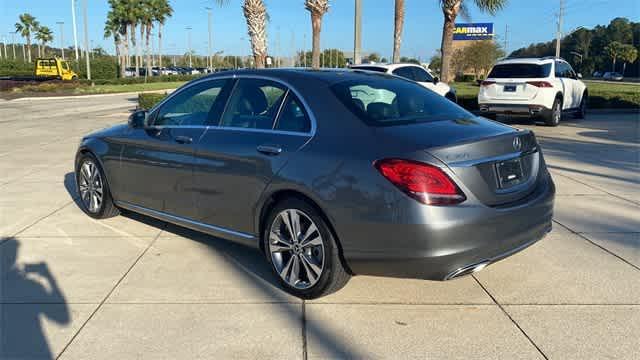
point(544, 87)
point(413, 72)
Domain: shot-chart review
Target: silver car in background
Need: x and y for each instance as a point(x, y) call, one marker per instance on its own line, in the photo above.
point(328, 173)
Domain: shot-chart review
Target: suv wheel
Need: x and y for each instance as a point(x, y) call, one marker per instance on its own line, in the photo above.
point(302, 250)
point(555, 115)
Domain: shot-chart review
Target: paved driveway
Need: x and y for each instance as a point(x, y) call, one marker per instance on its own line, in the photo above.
point(132, 287)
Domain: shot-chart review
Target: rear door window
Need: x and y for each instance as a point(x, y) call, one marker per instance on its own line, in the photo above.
point(522, 71)
point(421, 75)
point(405, 72)
point(386, 102)
point(254, 104)
point(293, 117)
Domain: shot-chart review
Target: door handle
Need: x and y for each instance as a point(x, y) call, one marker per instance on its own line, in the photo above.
point(269, 149)
point(183, 139)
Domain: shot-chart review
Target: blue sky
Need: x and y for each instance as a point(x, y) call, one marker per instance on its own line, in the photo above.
point(528, 21)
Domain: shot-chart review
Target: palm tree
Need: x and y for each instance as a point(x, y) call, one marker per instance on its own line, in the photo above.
point(161, 11)
point(132, 19)
point(317, 9)
point(450, 10)
point(146, 25)
point(255, 14)
point(614, 50)
point(113, 28)
point(118, 15)
point(629, 55)
point(44, 35)
point(397, 30)
point(25, 27)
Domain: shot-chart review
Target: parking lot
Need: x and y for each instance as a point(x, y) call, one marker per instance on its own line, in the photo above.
point(132, 287)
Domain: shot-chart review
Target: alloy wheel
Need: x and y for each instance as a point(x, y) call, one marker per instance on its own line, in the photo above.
point(90, 186)
point(557, 113)
point(297, 249)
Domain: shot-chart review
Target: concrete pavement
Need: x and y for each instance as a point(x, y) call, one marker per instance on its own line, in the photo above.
point(132, 287)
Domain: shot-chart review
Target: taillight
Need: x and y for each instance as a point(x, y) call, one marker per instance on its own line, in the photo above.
point(540, 84)
point(487, 83)
point(425, 183)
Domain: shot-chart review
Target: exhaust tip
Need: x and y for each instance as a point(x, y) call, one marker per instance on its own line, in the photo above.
point(469, 269)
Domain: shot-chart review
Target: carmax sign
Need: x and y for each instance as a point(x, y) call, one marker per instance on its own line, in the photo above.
point(475, 31)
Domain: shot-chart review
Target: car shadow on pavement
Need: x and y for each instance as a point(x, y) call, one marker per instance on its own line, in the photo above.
point(28, 292)
point(254, 269)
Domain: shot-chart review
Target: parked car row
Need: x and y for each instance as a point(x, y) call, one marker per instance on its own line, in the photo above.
point(171, 70)
point(609, 75)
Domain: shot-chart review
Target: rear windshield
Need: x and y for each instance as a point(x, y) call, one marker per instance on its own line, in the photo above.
point(520, 71)
point(381, 101)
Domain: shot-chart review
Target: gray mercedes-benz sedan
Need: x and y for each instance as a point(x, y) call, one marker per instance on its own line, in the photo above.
point(328, 173)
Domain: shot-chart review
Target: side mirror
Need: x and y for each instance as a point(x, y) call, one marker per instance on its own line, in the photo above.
point(579, 75)
point(436, 80)
point(138, 119)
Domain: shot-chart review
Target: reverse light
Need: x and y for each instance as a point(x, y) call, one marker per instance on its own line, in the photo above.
point(425, 183)
point(487, 83)
point(540, 84)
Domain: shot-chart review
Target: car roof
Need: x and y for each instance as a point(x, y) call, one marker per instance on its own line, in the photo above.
point(327, 76)
point(389, 67)
point(538, 61)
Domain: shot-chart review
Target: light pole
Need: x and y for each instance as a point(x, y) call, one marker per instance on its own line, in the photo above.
point(75, 29)
point(357, 32)
point(209, 56)
point(61, 23)
point(86, 38)
point(188, 28)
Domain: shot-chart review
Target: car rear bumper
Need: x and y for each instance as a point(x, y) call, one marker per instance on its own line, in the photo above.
point(460, 242)
point(513, 109)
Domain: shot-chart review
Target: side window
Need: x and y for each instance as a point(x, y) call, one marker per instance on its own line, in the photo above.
point(570, 72)
point(405, 72)
point(421, 75)
point(293, 117)
point(200, 104)
point(253, 104)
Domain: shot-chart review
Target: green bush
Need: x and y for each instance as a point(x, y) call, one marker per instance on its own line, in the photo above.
point(15, 68)
point(148, 100)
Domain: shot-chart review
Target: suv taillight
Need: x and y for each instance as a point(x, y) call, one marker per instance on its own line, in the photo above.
point(540, 84)
point(425, 183)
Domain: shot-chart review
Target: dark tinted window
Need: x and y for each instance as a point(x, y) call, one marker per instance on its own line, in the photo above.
point(199, 104)
point(253, 104)
point(520, 71)
point(384, 102)
point(371, 68)
point(405, 72)
point(420, 74)
point(292, 116)
point(564, 70)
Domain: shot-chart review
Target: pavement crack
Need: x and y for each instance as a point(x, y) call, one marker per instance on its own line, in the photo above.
point(109, 293)
point(509, 317)
point(598, 245)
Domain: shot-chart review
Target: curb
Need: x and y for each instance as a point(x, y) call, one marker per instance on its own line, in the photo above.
point(88, 95)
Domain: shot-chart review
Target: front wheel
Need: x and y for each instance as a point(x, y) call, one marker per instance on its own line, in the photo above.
point(302, 250)
point(95, 197)
point(582, 110)
point(554, 116)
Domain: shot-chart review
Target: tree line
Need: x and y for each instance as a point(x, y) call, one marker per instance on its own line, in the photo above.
point(613, 47)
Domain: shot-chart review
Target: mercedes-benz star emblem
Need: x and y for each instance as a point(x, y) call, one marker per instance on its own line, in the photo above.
point(517, 143)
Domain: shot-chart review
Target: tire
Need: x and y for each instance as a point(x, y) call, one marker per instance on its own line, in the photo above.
point(582, 110)
point(95, 197)
point(555, 115)
point(296, 263)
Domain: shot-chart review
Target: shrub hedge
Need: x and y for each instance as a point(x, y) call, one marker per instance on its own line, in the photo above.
point(147, 100)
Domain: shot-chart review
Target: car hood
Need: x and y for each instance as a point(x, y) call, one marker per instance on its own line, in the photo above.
point(108, 132)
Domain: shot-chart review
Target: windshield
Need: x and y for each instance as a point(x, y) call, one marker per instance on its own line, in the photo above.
point(380, 101)
point(507, 71)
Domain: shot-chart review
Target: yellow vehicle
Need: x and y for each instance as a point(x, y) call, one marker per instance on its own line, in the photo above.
point(54, 68)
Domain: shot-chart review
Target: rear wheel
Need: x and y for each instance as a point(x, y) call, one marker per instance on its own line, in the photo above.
point(554, 116)
point(302, 250)
point(95, 198)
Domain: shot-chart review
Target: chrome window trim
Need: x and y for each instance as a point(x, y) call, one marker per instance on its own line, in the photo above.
point(289, 87)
